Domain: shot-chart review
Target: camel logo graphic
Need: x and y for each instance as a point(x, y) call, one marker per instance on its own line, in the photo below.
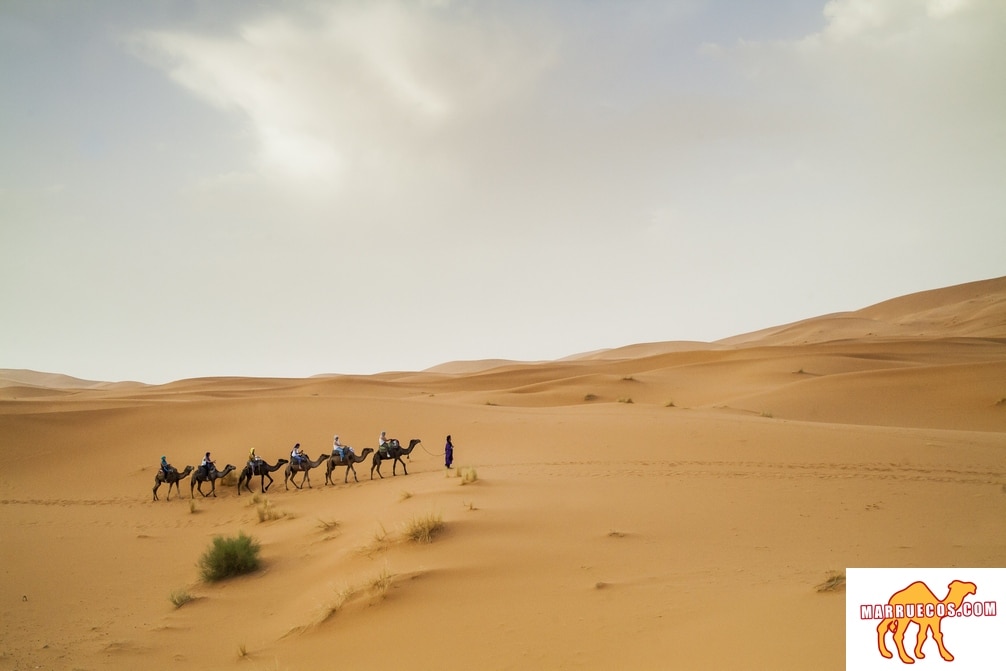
point(907, 621)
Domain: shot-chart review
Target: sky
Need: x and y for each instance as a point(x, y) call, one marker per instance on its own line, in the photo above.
point(205, 188)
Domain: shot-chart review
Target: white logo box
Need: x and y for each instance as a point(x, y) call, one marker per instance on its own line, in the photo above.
point(974, 633)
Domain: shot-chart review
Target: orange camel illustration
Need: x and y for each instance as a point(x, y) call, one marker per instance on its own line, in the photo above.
point(926, 612)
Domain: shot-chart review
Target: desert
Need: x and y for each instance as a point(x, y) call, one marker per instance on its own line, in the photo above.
point(661, 505)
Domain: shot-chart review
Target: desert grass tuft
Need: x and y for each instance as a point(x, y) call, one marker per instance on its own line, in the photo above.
point(327, 525)
point(266, 511)
point(424, 529)
point(590, 397)
point(242, 650)
point(1001, 401)
point(341, 598)
point(625, 399)
point(228, 557)
point(468, 475)
point(180, 597)
point(670, 404)
point(835, 582)
point(766, 413)
point(380, 584)
point(192, 507)
point(405, 496)
point(379, 543)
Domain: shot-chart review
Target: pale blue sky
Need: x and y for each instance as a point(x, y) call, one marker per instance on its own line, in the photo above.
point(287, 189)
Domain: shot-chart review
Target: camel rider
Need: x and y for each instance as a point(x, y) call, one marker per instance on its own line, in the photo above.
point(253, 459)
point(384, 443)
point(296, 454)
point(166, 468)
point(340, 450)
point(207, 464)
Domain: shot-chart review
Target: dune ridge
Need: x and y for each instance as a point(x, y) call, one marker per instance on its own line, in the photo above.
point(630, 505)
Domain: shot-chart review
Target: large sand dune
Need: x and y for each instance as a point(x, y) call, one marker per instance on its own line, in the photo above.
point(662, 505)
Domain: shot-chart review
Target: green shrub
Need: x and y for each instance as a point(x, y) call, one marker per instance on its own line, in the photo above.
point(229, 557)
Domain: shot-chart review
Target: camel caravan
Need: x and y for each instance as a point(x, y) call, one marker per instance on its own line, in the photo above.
point(341, 456)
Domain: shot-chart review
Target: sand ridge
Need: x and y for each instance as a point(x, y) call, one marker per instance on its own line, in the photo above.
point(630, 505)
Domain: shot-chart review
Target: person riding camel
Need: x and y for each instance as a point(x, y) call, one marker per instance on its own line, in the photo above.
point(166, 468)
point(339, 450)
point(296, 454)
point(253, 459)
point(207, 465)
point(384, 443)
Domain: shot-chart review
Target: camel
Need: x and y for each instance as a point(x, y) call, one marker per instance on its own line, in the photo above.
point(916, 597)
point(303, 466)
point(200, 476)
point(348, 462)
point(172, 478)
point(395, 454)
point(261, 469)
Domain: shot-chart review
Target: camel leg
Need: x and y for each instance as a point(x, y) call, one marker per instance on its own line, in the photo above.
point(156, 485)
point(882, 630)
point(377, 465)
point(899, 640)
point(938, 637)
point(920, 638)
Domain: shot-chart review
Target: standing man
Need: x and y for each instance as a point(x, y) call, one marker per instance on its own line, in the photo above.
point(448, 452)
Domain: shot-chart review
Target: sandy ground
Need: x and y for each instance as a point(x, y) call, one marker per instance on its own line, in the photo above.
point(667, 505)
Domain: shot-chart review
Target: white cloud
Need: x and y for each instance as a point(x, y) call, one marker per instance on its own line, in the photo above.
point(351, 87)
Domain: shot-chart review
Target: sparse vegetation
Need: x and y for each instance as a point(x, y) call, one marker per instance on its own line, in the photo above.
point(327, 525)
point(380, 585)
point(180, 597)
point(468, 475)
point(266, 511)
point(242, 650)
point(670, 404)
point(835, 582)
point(405, 496)
point(229, 557)
point(590, 397)
point(628, 378)
point(625, 399)
point(469, 505)
point(1001, 402)
point(766, 413)
point(192, 507)
point(424, 529)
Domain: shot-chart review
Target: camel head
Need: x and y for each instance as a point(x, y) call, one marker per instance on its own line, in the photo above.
point(958, 590)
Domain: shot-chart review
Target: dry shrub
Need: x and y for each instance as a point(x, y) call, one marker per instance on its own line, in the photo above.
point(424, 529)
point(180, 597)
point(380, 585)
point(468, 475)
point(266, 511)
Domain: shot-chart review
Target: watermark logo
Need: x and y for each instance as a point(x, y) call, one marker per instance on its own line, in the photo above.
point(925, 617)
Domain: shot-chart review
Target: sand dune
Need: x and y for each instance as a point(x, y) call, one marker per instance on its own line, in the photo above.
point(632, 507)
